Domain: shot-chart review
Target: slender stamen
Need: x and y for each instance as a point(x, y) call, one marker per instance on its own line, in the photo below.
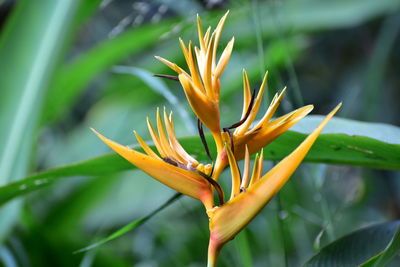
point(216, 186)
point(203, 138)
point(170, 77)
point(214, 183)
point(237, 124)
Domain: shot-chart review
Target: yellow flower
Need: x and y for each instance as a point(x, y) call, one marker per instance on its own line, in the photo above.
point(265, 130)
point(174, 167)
point(202, 85)
point(202, 88)
point(250, 194)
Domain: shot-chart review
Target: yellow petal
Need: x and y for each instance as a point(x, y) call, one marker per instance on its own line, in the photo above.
point(258, 138)
point(283, 123)
point(207, 75)
point(246, 93)
point(243, 128)
point(206, 40)
point(145, 147)
point(156, 140)
point(204, 107)
point(176, 146)
point(246, 170)
point(173, 66)
point(258, 166)
point(183, 181)
point(235, 173)
point(164, 142)
point(226, 221)
point(200, 33)
point(218, 31)
point(223, 61)
point(194, 70)
point(271, 109)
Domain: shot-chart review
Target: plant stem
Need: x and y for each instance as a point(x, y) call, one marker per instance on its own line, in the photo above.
point(213, 252)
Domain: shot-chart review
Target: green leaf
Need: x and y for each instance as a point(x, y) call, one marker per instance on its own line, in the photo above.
point(131, 226)
point(357, 247)
point(160, 87)
point(379, 131)
point(384, 257)
point(30, 46)
point(329, 148)
point(74, 76)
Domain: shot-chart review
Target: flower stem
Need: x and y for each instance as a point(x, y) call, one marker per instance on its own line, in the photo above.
point(213, 252)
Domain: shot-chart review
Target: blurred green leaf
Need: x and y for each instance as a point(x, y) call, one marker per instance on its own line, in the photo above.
point(380, 131)
point(29, 49)
point(131, 226)
point(244, 248)
point(357, 247)
point(160, 87)
point(74, 76)
point(384, 257)
point(315, 15)
point(329, 148)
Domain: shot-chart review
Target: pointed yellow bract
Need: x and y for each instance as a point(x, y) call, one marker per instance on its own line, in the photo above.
point(174, 167)
point(266, 130)
point(226, 221)
point(202, 84)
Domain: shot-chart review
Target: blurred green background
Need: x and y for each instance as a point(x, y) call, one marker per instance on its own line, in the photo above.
point(69, 65)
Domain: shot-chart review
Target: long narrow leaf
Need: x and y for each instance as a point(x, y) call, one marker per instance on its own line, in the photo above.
point(75, 76)
point(329, 148)
point(131, 226)
point(384, 257)
point(357, 247)
point(29, 49)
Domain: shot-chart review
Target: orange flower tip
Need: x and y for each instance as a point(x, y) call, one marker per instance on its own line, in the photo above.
point(335, 109)
point(136, 134)
point(96, 133)
point(226, 14)
point(105, 139)
point(308, 108)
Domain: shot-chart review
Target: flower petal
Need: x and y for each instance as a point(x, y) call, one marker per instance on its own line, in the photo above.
point(145, 147)
point(184, 181)
point(243, 128)
point(226, 221)
point(204, 107)
point(235, 173)
point(246, 94)
point(262, 136)
point(176, 146)
point(223, 60)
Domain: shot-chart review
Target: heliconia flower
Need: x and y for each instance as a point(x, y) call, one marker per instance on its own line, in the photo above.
point(202, 83)
point(173, 166)
point(250, 194)
point(202, 88)
point(265, 130)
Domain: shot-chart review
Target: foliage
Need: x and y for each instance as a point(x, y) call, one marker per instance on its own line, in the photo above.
point(61, 74)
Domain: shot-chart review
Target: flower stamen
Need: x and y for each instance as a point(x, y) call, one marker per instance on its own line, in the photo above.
point(170, 77)
point(237, 124)
point(203, 138)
